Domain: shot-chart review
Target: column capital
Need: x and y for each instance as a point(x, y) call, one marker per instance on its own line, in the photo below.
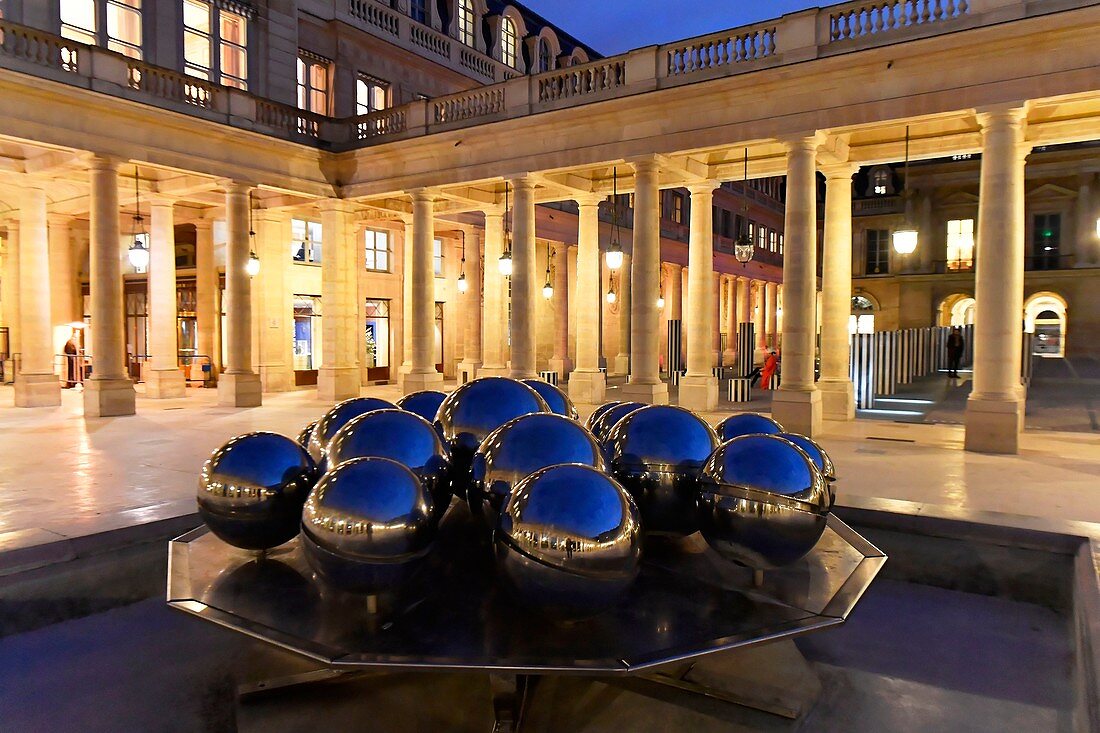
point(341, 205)
point(521, 180)
point(841, 171)
point(228, 185)
point(1009, 112)
point(809, 141)
point(203, 224)
point(160, 199)
point(590, 199)
point(645, 164)
point(99, 162)
point(55, 219)
point(703, 188)
point(494, 212)
point(423, 195)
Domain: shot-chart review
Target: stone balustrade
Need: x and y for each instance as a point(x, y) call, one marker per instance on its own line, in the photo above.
point(860, 19)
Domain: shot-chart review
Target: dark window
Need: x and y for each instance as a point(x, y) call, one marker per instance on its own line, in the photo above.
point(1046, 241)
point(418, 11)
point(678, 208)
point(878, 253)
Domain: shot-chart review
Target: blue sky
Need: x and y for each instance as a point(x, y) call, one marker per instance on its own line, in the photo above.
point(614, 26)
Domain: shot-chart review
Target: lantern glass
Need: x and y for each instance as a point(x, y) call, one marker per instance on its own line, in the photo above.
point(905, 241)
point(548, 291)
point(614, 257)
point(138, 255)
point(505, 264)
point(252, 267)
point(463, 283)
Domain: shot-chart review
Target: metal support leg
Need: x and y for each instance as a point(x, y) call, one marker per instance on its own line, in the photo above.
point(509, 693)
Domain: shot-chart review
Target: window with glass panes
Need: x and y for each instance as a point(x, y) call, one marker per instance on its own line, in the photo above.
point(376, 250)
point(761, 236)
point(677, 208)
point(371, 94)
point(544, 56)
point(437, 257)
point(466, 22)
point(508, 41)
point(305, 240)
point(215, 43)
point(773, 240)
point(960, 244)
point(313, 83)
point(115, 24)
point(752, 231)
point(878, 252)
point(418, 10)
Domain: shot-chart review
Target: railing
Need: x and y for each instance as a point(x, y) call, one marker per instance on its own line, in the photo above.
point(429, 40)
point(290, 120)
point(476, 62)
point(377, 16)
point(578, 81)
point(878, 205)
point(39, 48)
point(382, 122)
point(468, 105)
point(172, 85)
point(859, 19)
point(718, 50)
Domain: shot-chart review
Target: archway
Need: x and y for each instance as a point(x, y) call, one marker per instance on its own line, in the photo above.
point(957, 310)
point(1045, 317)
point(862, 318)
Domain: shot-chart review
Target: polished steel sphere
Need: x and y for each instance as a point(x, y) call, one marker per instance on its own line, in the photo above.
point(366, 524)
point(403, 437)
point(476, 409)
point(820, 458)
point(520, 447)
point(569, 540)
point(339, 416)
point(306, 432)
point(601, 426)
point(425, 403)
point(557, 400)
point(251, 490)
point(762, 501)
point(747, 423)
point(599, 411)
point(656, 452)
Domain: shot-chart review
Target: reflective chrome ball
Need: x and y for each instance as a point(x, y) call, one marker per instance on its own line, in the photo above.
point(403, 437)
point(251, 490)
point(366, 524)
point(426, 403)
point(601, 426)
point(762, 501)
point(747, 423)
point(303, 436)
point(557, 400)
point(820, 458)
point(656, 452)
point(339, 416)
point(476, 409)
point(520, 447)
point(569, 540)
point(599, 411)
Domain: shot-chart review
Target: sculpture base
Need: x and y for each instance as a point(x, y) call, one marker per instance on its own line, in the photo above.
point(109, 397)
point(165, 384)
point(838, 399)
point(994, 426)
point(650, 394)
point(493, 371)
point(37, 390)
point(276, 378)
point(621, 366)
point(798, 412)
point(561, 366)
point(336, 384)
point(239, 390)
point(699, 393)
point(417, 382)
point(467, 371)
point(587, 388)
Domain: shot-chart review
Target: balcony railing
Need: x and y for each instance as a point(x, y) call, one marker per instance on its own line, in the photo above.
point(878, 206)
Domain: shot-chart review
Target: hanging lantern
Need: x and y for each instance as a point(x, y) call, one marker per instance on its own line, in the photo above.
point(548, 288)
point(614, 254)
point(905, 237)
point(252, 267)
point(611, 297)
point(138, 253)
point(463, 285)
point(743, 249)
point(505, 261)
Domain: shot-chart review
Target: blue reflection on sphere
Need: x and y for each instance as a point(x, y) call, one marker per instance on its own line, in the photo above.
point(747, 423)
point(403, 437)
point(557, 400)
point(569, 540)
point(339, 416)
point(601, 426)
point(306, 432)
point(425, 403)
point(820, 458)
point(591, 421)
point(656, 452)
point(519, 448)
point(251, 490)
point(762, 502)
point(366, 524)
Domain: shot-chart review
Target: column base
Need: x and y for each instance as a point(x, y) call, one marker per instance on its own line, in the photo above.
point(798, 412)
point(838, 399)
point(467, 371)
point(493, 371)
point(276, 378)
point(521, 374)
point(650, 394)
point(621, 365)
point(37, 390)
point(561, 366)
point(239, 390)
point(994, 426)
point(402, 372)
point(419, 382)
point(336, 384)
point(164, 384)
point(699, 393)
point(587, 388)
point(109, 397)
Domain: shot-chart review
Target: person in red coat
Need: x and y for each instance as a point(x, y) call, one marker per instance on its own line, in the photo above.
point(771, 364)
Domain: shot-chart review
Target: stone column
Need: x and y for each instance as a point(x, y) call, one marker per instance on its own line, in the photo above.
point(759, 310)
point(730, 354)
point(163, 378)
point(63, 304)
point(699, 389)
point(1088, 211)
point(9, 293)
point(495, 310)
point(239, 386)
point(271, 305)
point(837, 392)
point(422, 374)
point(716, 320)
point(560, 361)
point(797, 404)
point(587, 383)
point(406, 301)
point(36, 383)
point(524, 283)
point(338, 377)
point(995, 409)
point(109, 391)
point(471, 306)
point(645, 383)
point(772, 291)
point(207, 314)
point(625, 282)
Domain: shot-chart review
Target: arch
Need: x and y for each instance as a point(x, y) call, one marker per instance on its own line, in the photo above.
point(1045, 317)
point(579, 56)
point(510, 30)
point(957, 309)
point(477, 10)
point(547, 50)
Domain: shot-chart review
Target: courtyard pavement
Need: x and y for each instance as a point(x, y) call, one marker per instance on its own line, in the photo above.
point(64, 476)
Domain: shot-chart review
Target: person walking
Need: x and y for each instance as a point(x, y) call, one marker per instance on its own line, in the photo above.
point(955, 346)
point(771, 364)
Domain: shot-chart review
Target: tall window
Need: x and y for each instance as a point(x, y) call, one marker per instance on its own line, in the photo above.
point(508, 41)
point(1046, 241)
point(878, 252)
point(371, 94)
point(466, 22)
point(761, 236)
point(115, 24)
point(312, 83)
point(377, 250)
point(960, 244)
point(677, 208)
point(418, 11)
point(215, 44)
point(752, 231)
point(773, 240)
point(880, 181)
point(544, 55)
point(305, 240)
point(437, 257)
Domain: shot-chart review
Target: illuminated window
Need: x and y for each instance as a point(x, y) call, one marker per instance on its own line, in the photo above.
point(215, 44)
point(881, 181)
point(305, 240)
point(377, 250)
point(78, 20)
point(781, 243)
point(466, 22)
point(437, 257)
point(960, 244)
point(371, 95)
point(761, 236)
point(116, 22)
point(508, 41)
point(313, 83)
point(752, 231)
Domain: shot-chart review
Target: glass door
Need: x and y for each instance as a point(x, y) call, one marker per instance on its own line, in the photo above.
point(378, 339)
point(307, 339)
